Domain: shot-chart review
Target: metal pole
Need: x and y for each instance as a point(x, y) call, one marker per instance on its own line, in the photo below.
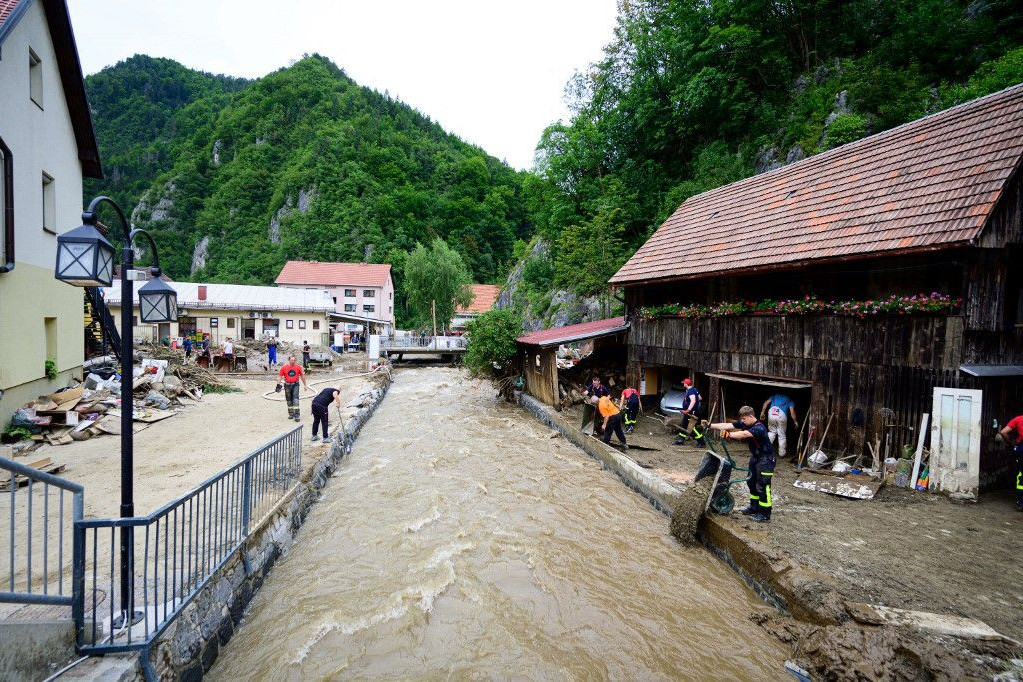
point(127, 407)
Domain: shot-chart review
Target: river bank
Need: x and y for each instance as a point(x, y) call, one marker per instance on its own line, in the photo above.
point(826, 560)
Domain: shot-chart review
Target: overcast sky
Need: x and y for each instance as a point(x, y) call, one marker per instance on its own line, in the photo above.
point(491, 71)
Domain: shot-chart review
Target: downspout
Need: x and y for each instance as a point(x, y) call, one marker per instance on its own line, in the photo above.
point(7, 210)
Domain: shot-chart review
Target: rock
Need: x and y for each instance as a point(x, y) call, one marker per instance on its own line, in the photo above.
point(768, 160)
point(200, 254)
point(795, 154)
point(171, 384)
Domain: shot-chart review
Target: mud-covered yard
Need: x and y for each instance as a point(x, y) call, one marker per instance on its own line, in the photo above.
point(902, 549)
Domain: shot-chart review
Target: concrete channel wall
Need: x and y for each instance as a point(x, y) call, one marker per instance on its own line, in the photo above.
point(191, 644)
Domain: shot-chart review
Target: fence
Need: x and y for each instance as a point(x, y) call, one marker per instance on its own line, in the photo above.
point(41, 522)
point(440, 343)
point(176, 549)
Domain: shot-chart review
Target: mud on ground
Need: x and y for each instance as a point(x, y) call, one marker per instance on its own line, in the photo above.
point(907, 550)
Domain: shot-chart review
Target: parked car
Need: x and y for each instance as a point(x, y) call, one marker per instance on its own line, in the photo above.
point(673, 400)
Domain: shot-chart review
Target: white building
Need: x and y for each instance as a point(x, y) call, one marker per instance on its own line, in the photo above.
point(363, 293)
point(47, 145)
point(237, 311)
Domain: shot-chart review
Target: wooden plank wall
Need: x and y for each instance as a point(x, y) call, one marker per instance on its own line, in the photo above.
point(541, 382)
point(889, 362)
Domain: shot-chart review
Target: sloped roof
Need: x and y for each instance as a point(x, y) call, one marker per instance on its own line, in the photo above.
point(238, 297)
point(925, 185)
point(483, 298)
point(575, 332)
point(6, 8)
point(334, 274)
point(58, 22)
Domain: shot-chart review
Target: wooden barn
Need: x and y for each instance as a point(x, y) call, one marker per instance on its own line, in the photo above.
point(540, 352)
point(874, 282)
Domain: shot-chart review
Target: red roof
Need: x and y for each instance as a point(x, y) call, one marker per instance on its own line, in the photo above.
point(483, 299)
point(925, 185)
point(6, 7)
point(575, 332)
point(334, 274)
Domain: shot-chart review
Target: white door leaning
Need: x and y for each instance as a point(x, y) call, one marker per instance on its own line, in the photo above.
point(955, 440)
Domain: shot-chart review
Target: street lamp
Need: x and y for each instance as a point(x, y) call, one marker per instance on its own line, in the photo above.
point(84, 259)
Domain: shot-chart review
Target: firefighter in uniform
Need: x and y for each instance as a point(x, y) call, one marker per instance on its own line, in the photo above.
point(761, 460)
point(1015, 429)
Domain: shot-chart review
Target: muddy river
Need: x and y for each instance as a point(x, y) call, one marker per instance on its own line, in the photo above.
point(459, 540)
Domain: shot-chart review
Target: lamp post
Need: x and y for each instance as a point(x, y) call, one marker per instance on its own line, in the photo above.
point(85, 259)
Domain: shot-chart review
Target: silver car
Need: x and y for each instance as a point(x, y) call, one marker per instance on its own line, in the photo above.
point(673, 400)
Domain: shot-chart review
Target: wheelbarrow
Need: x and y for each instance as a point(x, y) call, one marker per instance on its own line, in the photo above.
point(721, 467)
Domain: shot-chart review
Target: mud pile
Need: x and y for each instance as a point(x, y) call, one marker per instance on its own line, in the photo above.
point(852, 651)
point(686, 517)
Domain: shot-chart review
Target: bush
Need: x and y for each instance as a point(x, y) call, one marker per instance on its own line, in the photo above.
point(491, 350)
point(844, 129)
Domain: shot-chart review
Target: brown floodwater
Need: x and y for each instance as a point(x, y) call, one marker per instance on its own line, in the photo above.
point(460, 540)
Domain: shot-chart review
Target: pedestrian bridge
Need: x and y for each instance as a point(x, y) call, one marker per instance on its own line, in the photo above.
point(422, 345)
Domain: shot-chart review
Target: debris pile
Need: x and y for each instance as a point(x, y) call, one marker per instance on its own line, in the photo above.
point(160, 382)
point(572, 381)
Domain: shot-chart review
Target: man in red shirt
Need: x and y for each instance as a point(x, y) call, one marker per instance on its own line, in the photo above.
point(1015, 428)
point(291, 373)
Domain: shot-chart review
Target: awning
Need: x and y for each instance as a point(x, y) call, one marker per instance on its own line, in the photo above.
point(992, 370)
point(759, 379)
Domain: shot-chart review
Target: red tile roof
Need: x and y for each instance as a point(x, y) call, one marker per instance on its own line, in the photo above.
point(925, 185)
point(6, 7)
point(575, 332)
point(334, 274)
point(484, 296)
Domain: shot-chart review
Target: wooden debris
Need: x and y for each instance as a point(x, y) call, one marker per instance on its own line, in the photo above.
point(45, 465)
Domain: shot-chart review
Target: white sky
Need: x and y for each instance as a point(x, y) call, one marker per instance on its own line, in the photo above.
point(492, 72)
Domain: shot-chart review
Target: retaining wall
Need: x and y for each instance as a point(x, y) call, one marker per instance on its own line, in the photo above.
point(188, 648)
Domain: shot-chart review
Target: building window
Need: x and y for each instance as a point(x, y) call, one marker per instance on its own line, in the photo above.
point(49, 204)
point(301, 324)
point(390, 310)
point(369, 293)
point(368, 308)
point(6, 208)
point(349, 292)
point(230, 323)
point(349, 307)
point(289, 324)
point(390, 296)
point(316, 324)
point(335, 299)
point(35, 78)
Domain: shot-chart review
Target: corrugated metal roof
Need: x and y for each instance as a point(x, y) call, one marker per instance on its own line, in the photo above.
point(484, 296)
point(992, 370)
point(928, 184)
point(236, 297)
point(575, 332)
point(334, 274)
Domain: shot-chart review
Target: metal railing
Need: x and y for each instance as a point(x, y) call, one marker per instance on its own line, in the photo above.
point(440, 343)
point(177, 548)
point(41, 566)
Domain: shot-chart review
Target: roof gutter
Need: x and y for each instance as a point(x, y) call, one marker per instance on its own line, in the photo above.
point(740, 272)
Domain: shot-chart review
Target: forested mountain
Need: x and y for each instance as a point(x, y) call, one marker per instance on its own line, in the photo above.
point(235, 177)
point(692, 94)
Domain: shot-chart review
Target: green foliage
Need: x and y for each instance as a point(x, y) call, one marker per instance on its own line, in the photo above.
point(16, 433)
point(688, 95)
point(439, 276)
point(50, 367)
point(845, 128)
point(491, 351)
point(301, 164)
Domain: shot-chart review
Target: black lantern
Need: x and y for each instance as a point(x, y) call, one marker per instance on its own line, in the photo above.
point(158, 302)
point(84, 257)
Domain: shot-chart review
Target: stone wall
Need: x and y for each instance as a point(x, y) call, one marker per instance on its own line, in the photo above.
point(188, 648)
